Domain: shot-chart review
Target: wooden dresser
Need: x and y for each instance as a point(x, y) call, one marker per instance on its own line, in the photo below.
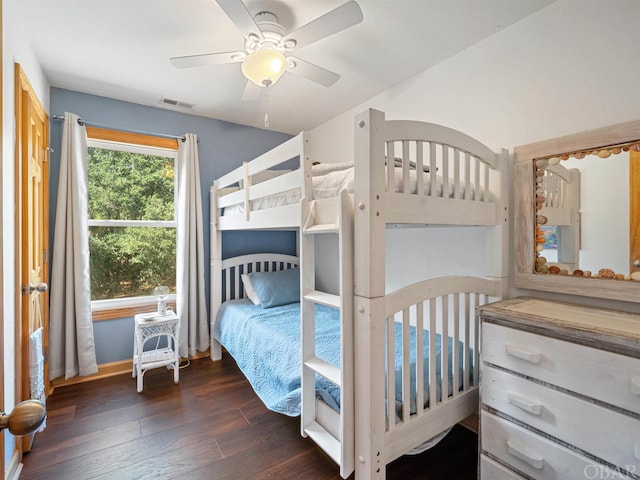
point(560, 391)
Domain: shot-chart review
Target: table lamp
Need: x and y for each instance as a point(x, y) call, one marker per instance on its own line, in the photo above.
point(161, 293)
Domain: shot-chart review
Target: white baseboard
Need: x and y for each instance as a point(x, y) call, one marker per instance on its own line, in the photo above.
point(13, 468)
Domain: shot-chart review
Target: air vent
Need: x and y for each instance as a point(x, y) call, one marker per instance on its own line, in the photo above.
point(176, 103)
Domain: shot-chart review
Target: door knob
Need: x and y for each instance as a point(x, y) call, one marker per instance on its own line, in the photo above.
point(41, 287)
point(25, 418)
point(636, 263)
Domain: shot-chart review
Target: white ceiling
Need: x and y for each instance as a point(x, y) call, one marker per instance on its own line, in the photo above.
point(121, 48)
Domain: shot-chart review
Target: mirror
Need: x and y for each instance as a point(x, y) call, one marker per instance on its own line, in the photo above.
point(577, 213)
point(576, 233)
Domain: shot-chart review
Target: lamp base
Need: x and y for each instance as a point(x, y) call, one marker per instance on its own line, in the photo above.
point(162, 307)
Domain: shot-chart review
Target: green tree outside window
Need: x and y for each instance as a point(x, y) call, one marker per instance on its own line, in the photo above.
point(137, 191)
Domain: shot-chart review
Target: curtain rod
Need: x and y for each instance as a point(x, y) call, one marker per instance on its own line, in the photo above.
point(122, 129)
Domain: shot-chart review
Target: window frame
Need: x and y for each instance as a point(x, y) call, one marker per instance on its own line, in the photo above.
point(136, 143)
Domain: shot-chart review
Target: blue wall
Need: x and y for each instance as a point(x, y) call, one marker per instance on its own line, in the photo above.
point(223, 146)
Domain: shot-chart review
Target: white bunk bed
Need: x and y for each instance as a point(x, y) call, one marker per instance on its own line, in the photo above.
point(559, 194)
point(466, 185)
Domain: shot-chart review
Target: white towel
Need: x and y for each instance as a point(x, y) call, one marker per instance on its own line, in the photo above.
point(36, 360)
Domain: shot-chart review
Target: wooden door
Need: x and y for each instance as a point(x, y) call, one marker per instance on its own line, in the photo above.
point(32, 230)
point(634, 210)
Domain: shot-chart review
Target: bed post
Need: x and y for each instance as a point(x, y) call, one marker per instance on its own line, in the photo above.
point(369, 204)
point(369, 280)
point(215, 270)
point(497, 243)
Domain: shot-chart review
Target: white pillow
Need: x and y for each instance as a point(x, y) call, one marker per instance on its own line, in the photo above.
point(324, 168)
point(249, 290)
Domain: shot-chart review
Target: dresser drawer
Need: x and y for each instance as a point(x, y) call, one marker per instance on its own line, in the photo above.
point(534, 455)
point(492, 470)
point(602, 432)
point(606, 376)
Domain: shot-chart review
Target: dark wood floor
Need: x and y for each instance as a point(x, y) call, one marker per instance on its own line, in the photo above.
point(210, 426)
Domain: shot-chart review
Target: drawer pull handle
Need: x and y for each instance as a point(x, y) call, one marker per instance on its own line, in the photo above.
point(531, 406)
point(518, 451)
point(522, 353)
point(635, 385)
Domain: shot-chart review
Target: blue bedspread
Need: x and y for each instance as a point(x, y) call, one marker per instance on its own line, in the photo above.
point(266, 346)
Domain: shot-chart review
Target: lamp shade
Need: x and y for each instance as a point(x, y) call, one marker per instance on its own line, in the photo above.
point(264, 66)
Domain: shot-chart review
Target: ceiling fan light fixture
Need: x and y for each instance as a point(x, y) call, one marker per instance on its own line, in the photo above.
point(264, 67)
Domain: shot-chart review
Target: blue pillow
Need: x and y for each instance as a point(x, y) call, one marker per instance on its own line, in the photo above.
point(276, 288)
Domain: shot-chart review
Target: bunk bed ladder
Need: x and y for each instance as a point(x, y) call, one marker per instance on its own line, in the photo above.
point(322, 217)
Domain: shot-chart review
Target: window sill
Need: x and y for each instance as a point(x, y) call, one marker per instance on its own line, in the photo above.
point(113, 309)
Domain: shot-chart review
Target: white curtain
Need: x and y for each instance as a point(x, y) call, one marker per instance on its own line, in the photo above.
point(190, 302)
point(71, 345)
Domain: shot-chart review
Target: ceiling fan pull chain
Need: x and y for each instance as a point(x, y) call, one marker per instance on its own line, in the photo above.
point(266, 105)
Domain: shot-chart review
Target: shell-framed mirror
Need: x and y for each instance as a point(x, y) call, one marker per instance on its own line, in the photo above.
point(577, 213)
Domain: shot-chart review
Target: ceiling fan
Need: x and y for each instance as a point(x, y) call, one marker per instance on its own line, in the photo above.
point(268, 47)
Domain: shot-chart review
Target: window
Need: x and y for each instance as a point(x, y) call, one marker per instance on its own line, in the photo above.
point(132, 224)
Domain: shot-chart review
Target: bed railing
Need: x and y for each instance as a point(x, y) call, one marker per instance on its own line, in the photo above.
point(442, 309)
point(442, 176)
point(558, 186)
point(254, 180)
point(460, 172)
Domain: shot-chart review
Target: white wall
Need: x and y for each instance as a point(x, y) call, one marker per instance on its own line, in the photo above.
point(604, 189)
point(564, 69)
point(567, 68)
point(15, 49)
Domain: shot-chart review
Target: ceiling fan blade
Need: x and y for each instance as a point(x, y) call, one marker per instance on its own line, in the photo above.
point(251, 92)
point(313, 72)
point(241, 18)
point(189, 61)
point(334, 21)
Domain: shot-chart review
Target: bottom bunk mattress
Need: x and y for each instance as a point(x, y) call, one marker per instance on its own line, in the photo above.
point(266, 345)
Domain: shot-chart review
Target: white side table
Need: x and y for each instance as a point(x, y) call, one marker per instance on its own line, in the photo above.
point(153, 326)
